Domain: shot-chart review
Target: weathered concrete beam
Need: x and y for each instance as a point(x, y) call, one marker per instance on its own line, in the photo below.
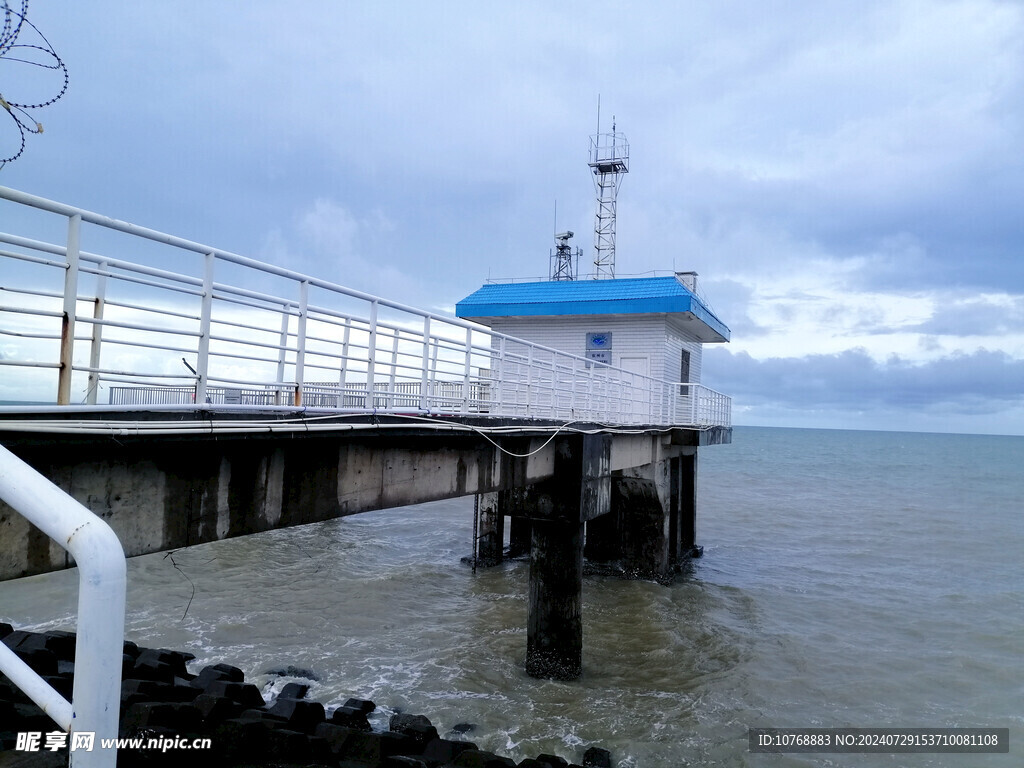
point(581, 471)
point(160, 494)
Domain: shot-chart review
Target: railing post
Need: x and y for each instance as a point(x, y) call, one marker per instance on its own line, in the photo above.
point(572, 387)
point(392, 395)
point(592, 374)
point(467, 369)
point(529, 380)
point(371, 354)
point(97, 333)
point(205, 316)
point(424, 379)
point(498, 378)
point(282, 353)
point(342, 374)
point(300, 341)
point(67, 329)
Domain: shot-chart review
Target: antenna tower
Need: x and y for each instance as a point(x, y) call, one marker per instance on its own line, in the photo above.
point(564, 259)
point(609, 160)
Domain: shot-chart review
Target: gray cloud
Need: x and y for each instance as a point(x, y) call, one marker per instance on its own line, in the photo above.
point(843, 128)
point(978, 383)
point(975, 317)
point(731, 299)
point(766, 141)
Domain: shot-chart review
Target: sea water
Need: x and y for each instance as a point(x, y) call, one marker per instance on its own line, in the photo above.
point(849, 579)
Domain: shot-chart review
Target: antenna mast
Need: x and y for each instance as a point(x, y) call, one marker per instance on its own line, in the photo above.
point(609, 160)
point(563, 258)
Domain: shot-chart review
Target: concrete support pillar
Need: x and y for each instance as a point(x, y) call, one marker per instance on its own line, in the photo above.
point(579, 491)
point(519, 536)
point(688, 506)
point(643, 527)
point(603, 542)
point(674, 551)
point(554, 645)
point(490, 533)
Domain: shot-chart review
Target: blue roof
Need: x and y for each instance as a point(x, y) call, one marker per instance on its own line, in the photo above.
point(625, 296)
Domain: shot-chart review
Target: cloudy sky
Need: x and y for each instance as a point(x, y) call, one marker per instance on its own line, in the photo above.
point(846, 177)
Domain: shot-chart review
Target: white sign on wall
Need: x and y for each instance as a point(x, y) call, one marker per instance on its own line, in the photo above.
point(599, 347)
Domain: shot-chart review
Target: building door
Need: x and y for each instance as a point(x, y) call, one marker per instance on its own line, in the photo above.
point(639, 395)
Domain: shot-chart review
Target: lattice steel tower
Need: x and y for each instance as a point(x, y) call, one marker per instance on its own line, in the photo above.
point(609, 160)
point(565, 259)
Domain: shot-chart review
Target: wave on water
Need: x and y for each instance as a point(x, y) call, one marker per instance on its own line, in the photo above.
point(849, 579)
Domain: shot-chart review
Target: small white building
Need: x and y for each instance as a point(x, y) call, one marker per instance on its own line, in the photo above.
point(653, 326)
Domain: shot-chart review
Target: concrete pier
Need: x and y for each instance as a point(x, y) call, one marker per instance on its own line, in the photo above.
point(630, 496)
point(554, 637)
point(641, 515)
point(684, 505)
point(520, 538)
point(490, 538)
point(642, 527)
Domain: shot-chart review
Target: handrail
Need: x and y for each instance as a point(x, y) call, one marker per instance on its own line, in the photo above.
point(304, 330)
point(99, 645)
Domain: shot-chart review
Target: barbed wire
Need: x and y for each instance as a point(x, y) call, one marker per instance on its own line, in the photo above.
point(33, 54)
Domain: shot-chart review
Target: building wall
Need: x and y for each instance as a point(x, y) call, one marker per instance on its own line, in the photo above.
point(675, 342)
point(650, 336)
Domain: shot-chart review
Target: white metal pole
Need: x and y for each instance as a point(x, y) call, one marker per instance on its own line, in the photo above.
point(282, 353)
point(99, 644)
point(424, 378)
point(342, 374)
point(205, 316)
point(390, 402)
point(372, 353)
point(572, 388)
point(466, 370)
point(499, 375)
point(529, 380)
point(67, 330)
point(97, 333)
point(591, 406)
point(300, 341)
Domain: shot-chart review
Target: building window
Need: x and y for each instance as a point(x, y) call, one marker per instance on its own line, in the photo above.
point(684, 371)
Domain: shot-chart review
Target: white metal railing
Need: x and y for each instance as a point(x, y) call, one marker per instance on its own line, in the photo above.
point(96, 694)
point(185, 322)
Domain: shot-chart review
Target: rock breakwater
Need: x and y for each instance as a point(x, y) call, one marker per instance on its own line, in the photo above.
point(169, 715)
